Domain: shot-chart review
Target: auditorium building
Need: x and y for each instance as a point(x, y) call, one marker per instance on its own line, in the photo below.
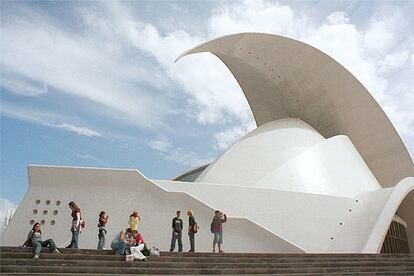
point(324, 171)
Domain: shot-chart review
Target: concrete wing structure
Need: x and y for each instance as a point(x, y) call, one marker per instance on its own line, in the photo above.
point(285, 78)
point(325, 171)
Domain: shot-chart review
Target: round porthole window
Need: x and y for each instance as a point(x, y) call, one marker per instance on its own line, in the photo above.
point(47, 202)
point(57, 202)
point(42, 222)
point(31, 222)
point(52, 222)
point(45, 212)
point(37, 201)
point(34, 212)
point(55, 212)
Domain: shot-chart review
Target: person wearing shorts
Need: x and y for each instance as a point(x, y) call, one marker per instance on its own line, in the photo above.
point(217, 229)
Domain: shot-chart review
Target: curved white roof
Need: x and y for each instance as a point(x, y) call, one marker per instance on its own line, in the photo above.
point(285, 78)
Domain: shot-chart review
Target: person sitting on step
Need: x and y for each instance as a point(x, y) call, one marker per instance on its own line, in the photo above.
point(119, 243)
point(34, 239)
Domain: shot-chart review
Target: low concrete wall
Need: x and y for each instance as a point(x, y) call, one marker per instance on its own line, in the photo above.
point(118, 192)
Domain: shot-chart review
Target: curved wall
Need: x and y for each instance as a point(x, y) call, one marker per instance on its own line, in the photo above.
point(290, 155)
point(260, 152)
point(332, 167)
point(406, 211)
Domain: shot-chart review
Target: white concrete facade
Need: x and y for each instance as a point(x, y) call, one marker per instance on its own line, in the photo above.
point(325, 171)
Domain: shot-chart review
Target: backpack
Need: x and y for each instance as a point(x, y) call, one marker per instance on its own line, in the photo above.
point(82, 223)
point(145, 251)
point(195, 228)
point(212, 227)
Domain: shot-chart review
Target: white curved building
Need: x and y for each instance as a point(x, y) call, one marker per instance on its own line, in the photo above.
point(325, 171)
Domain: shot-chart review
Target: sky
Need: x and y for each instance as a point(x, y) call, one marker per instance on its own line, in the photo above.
point(94, 83)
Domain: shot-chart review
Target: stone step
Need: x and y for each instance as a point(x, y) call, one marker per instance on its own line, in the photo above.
point(394, 273)
point(17, 261)
point(189, 271)
point(285, 255)
point(63, 250)
point(209, 254)
point(42, 262)
point(216, 259)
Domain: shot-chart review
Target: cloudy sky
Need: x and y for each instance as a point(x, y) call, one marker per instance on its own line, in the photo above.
point(95, 83)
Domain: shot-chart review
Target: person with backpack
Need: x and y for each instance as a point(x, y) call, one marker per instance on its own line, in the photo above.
point(103, 219)
point(217, 229)
point(77, 224)
point(34, 239)
point(177, 228)
point(192, 230)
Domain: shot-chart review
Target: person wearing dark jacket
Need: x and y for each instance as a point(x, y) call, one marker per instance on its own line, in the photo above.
point(217, 229)
point(177, 228)
point(34, 238)
point(103, 220)
point(192, 229)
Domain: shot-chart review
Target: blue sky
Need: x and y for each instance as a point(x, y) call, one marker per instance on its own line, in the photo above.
point(95, 83)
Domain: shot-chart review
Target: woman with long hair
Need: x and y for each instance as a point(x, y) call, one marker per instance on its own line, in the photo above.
point(76, 225)
point(134, 219)
point(34, 238)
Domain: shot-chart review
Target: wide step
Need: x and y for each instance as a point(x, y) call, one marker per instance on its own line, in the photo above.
point(89, 262)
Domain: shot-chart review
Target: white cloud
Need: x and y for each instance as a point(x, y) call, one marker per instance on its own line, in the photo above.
point(92, 66)
point(378, 37)
point(187, 158)
point(255, 16)
point(22, 86)
point(78, 130)
point(337, 18)
point(170, 152)
point(394, 61)
point(226, 138)
point(160, 145)
point(214, 95)
point(45, 119)
point(7, 209)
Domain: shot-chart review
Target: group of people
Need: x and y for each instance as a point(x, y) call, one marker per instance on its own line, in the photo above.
point(216, 228)
point(34, 238)
point(130, 238)
point(125, 241)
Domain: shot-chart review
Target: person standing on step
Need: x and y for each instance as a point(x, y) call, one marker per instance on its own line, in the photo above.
point(217, 229)
point(133, 222)
point(192, 229)
point(177, 228)
point(76, 225)
point(34, 238)
point(103, 219)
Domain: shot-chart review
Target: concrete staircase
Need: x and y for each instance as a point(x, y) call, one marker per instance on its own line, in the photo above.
point(88, 262)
